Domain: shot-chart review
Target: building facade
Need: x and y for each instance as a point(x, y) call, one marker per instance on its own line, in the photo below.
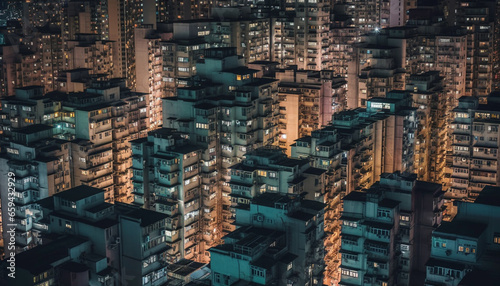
point(464, 251)
point(279, 242)
point(475, 144)
point(385, 231)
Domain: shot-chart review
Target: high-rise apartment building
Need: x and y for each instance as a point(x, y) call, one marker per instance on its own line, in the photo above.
point(284, 50)
point(181, 52)
point(269, 169)
point(37, 14)
point(227, 111)
point(48, 46)
point(186, 9)
point(75, 80)
point(148, 69)
point(465, 250)
point(385, 230)
point(99, 123)
point(20, 66)
point(76, 19)
point(344, 35)
point(378, 65)
point(431, 141)
point(306, 104)
point(115, 21)
point(367, 16)
point(31, 60)
point(312, 34)
point(167, 178)
point(27, 107)
point(235, 27)
point(103, 19)
point(87, 240)
point(40, 165)
point(279, 242)
point(444, 49)
point(87, 51)
point(355, 150)
point(478, 18)
point(475, 147)
point(103, 120)
point(372, 141)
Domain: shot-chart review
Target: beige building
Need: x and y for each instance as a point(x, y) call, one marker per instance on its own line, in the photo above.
point(355, 150)
point(234, 27)
point(148, 68)
point(378, 65)
point(227, 111)
point(167, 178)
point(181, 52)
point(431, 142)
point(305, 104)
point(478, 19)
point(301, 35)
point(88, 52)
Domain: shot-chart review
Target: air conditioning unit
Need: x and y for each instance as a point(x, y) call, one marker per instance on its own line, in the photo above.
point(259, 217)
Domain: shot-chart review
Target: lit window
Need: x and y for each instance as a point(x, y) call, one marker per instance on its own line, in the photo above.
point(350, 273)
point(496, 238)
point(460, 249)
point(238, 77)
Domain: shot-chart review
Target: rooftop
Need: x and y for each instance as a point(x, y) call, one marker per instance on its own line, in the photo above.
point(315, 171)
point(461, 228)
point(264, 262)
point(388, 203)
point(428, 187)
point(312, 205)
point(146, 217)
point(47, 254)
point(184, 149)
point(300, 215)
point(490, 195)
point(102, 224)
point(74, 267)
point(33, 129)
point(290, 162)
point(78, 193)
point(99, 207)
point(355, 196)
point(479, 277)
point(270, 199)
point(184, 267)
point(241, 70)
point(261, 81)
point(445, 264)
